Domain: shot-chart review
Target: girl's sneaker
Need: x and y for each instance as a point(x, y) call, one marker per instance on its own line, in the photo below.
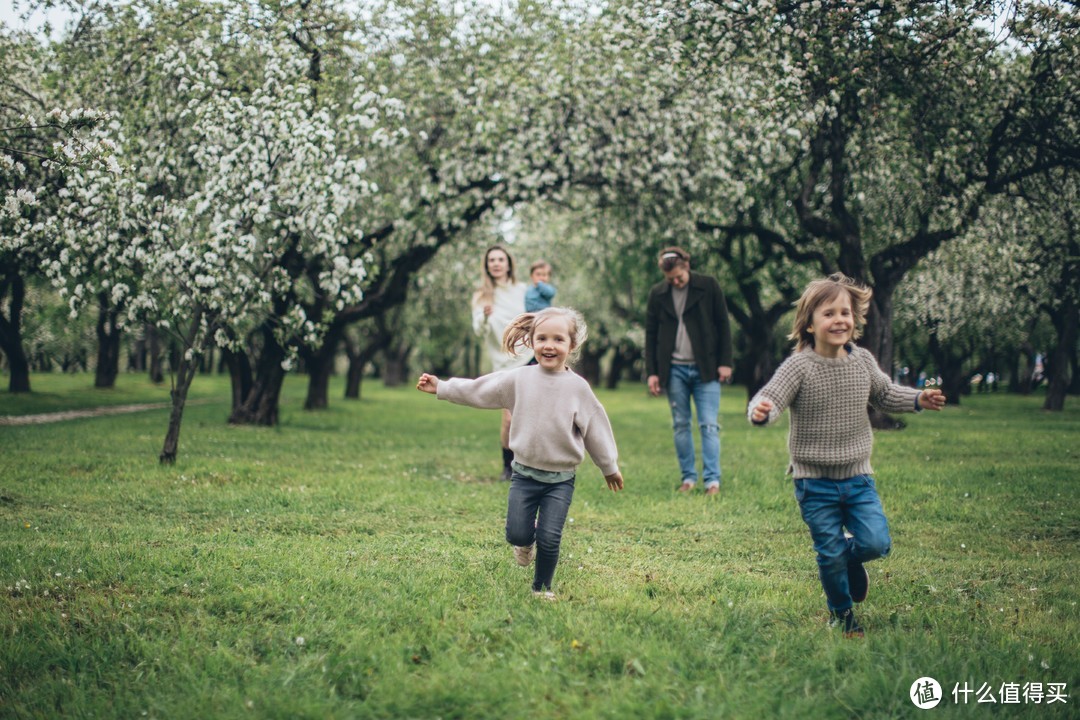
point(544, 595)
point(524, 555)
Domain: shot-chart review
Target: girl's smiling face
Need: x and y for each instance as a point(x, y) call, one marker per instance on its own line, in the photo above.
point(552, 343)
point(833, 325)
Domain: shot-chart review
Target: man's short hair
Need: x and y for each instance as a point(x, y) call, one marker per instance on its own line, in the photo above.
point(673, 257)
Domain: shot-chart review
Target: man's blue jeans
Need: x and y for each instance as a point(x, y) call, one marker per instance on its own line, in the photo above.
point(686, 383)
point(536, 512)
point(829, 506)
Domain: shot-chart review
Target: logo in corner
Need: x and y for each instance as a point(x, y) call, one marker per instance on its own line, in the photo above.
point(925, 693)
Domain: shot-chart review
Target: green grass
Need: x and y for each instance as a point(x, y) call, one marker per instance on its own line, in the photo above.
point(373, 531)
point(57, 392)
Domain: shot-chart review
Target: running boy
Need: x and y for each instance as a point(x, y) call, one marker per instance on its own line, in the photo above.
point(827, 382)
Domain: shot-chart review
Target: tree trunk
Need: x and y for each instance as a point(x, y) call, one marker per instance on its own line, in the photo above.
point(136, 358)
point(184, 375)
point(354, 378)
point(759, 355)
point(320, 365)
point(108, 336)
point(11, 334)
point(240, 379)
point(1066, 321)
point(588, 366)
point(624, 357)
point(359, 356)
point(260, 404)
point(950, 368)
point(1074, 364)
point(396, 365)
point(153, 351)
point(878, 339)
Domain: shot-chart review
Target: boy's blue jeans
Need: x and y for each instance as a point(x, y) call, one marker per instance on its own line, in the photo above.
point(536, 512)
point(686, 383)
point(829, 506)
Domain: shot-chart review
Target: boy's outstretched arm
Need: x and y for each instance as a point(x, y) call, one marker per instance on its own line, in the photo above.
point(761, 411)
point(614, 481)
point(932, 399)
point(428, 383)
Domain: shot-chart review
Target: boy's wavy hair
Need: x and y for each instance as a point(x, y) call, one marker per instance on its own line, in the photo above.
point(819, 292)
point(519, 332)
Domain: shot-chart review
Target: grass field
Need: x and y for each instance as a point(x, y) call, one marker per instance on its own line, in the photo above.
point(350, 564)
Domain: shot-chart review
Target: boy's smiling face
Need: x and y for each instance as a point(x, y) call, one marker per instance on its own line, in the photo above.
point(833, 325)
point(541, 274)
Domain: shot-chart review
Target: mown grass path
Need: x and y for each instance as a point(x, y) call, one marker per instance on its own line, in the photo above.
point(60, 416)
point(350, 564)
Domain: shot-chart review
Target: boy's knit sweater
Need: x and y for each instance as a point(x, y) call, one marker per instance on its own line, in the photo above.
point(556, 416)
point(830, 435)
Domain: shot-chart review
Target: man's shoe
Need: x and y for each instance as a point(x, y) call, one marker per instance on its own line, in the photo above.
point(544, 595)
point(524, 555)
point(846, 621)
point(686, 487)
point(858, 580)
point(712, 490)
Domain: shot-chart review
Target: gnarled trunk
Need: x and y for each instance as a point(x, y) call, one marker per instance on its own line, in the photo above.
point(11, 334)
point(108, 336)
point(1066, 321)
point(320, 367)
point(260, 404)
point(240, 378)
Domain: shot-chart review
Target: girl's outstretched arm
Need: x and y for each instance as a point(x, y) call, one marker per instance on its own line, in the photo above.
point(614, 481)
point(428, 383)
point(932, 399)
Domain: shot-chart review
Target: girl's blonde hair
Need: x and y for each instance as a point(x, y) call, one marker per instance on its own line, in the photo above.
point(520, 330)
point(820, 292)
point(485, 293)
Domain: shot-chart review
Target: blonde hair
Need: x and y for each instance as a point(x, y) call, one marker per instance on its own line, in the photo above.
point(520, 330)
point(485, 293)
point(822, 291)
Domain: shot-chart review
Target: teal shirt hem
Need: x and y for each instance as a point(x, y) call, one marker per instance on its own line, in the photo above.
point(544, 476)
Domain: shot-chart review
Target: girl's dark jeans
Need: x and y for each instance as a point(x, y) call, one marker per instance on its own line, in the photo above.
point(536, 512)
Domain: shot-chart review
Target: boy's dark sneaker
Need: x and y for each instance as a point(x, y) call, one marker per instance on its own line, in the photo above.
point(858, 580)
point(847, 622)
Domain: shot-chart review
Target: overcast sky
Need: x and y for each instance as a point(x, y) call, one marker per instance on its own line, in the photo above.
point(9, 17)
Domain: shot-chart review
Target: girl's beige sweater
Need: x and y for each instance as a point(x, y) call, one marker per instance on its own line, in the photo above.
point(556, 416)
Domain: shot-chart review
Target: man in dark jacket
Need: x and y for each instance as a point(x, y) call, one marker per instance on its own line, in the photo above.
point(688, 352)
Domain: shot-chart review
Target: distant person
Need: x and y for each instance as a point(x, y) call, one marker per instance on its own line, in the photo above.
point(827, 383)
point(496, 302)
point(688, 353)
point(557, 419)
point(540, 292)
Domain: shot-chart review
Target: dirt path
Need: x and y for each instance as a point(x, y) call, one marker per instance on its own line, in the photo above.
point(74, 414)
